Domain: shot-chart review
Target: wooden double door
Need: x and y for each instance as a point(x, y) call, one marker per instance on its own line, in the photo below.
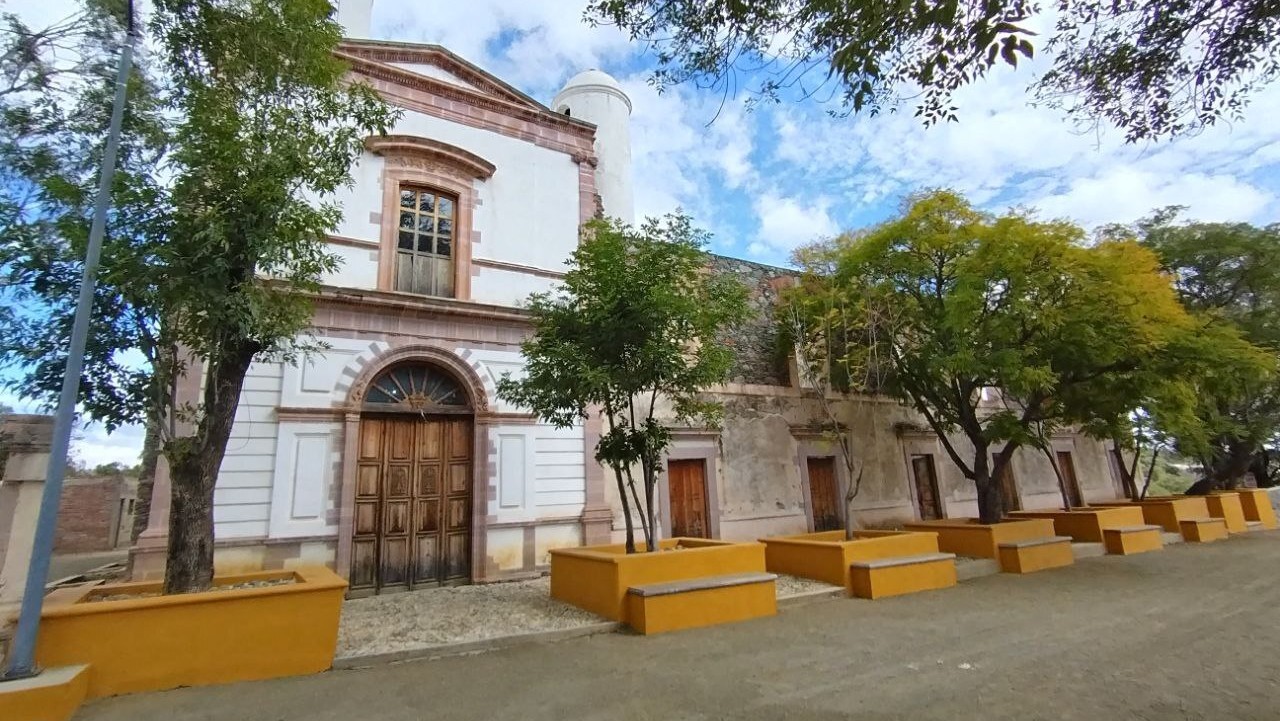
point(413, 503)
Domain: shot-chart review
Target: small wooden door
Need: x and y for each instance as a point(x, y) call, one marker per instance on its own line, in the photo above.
point(824, 493)
point(928, 499)
point(687, 481)
point(1067, 467)
point(1009, 488)
point(413, 504)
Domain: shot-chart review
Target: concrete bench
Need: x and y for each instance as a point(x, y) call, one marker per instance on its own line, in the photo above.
point(706, 601)
point(883, 577)
point(1036, 554)
point(1127, 540)
point(1203, 530)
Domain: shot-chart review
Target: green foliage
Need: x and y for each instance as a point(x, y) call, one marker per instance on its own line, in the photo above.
point(1151, 68)
point(1228, 275)
point(1002, 328)
point(633, 328)
point(241, 124)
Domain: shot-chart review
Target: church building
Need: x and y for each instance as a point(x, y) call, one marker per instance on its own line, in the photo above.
point(388, 455)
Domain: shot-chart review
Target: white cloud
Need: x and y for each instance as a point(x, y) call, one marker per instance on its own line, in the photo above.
point(787, 223)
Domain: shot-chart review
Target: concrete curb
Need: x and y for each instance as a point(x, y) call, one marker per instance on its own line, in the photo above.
point(972, 568)
point(807, 597)
point(425, 653)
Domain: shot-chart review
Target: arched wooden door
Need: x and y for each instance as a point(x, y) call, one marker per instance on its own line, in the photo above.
point(413, 484)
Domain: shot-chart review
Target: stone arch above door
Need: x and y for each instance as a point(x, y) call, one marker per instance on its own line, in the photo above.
point(363, 371)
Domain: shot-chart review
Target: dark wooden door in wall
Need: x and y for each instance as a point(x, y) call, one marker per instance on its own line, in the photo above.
point(1068, 469)
point(928, 499)
point(413, 504)
point(824, 493)
point(1009, 489)
point(687, 480)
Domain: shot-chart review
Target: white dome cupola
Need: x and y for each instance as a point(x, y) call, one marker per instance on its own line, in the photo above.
point(594, 96)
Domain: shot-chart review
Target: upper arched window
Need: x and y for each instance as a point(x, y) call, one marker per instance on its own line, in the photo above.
point(416, 387)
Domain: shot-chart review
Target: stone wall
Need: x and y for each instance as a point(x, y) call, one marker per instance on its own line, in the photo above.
point(758, 356)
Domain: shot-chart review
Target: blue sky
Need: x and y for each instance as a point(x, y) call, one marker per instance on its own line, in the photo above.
point(769, 180)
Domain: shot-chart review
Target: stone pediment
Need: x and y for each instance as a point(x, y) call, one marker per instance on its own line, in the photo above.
point(417, 63)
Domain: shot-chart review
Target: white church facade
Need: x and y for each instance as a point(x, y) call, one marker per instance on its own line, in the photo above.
point(388, 455)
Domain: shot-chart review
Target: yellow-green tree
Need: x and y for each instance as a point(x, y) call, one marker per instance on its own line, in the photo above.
point(996, 329)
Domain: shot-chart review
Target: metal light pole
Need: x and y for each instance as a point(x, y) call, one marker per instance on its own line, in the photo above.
point(22, 652)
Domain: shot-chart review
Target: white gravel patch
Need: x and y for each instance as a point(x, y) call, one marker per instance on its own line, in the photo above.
point(461, 614)
point(458, 614)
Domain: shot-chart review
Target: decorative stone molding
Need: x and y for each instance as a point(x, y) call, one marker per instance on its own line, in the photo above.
point(442, 156)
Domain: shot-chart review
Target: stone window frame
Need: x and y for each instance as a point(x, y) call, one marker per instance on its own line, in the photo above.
point(425, 164)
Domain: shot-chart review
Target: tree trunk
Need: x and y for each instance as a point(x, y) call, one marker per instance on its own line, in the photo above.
point(990, 498)
point(1127, 482)
point(193, 466)
point(1151, 470)
point(626, 510)
point(1062, 482)
point(650, 485)
point(1229, 467)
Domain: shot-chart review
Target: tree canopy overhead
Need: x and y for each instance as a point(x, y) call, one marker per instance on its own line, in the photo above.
point(1153, 68)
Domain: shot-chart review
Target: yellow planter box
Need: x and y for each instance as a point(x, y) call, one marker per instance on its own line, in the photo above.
point(884, 577)
point(1227, 506)
point(1167, 511)
point(677, 609)
point(1256, 504)
point(1036, 554)
point(1086, 524)
point(596, 578)
point(826, 556)
point(968, 537)
point(1125, 541)
point(1204, 530)
point(194, 639)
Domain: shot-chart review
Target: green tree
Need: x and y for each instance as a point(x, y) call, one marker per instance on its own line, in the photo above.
point(997, 329)
point(1228, 274)
point(1151, 68)
point(633, 330)
point(249, 124)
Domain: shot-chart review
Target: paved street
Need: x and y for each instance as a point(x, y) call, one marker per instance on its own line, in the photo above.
point(1187, 633)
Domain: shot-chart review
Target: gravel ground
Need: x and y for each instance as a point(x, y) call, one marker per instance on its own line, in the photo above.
point(403, 621)
point(1183, 634)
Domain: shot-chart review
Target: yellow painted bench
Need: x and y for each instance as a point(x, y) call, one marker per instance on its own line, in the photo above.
point(1256, 504)
point(1203, 530)
point(1036, 554)
point(883, 577)
point(695, 602)
point(1086, 524)
point(1227, 506)
point(1127, 540)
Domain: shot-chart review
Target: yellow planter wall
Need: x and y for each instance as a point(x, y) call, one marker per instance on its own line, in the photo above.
point(596, 578)
point(1086, 524)
point(1167, 512)
point(54, 695)
point(1256, 505)
point(162, 642)
point(826, 556)
point(967, 537)
point(1227, 506)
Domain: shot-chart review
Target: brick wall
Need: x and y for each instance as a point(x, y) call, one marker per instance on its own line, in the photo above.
point(88, 514)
